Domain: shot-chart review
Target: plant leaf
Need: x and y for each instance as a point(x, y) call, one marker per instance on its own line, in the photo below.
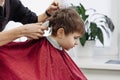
point(100, 36)
point(81, 10)
point(83, 39)
point(94, 30)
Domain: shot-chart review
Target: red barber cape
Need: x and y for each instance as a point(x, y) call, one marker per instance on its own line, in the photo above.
point(36, 60)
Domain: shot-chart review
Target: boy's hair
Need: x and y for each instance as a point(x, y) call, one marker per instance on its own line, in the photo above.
point(69, 20)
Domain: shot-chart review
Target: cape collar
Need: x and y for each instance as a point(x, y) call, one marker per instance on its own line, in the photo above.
point(54, 42)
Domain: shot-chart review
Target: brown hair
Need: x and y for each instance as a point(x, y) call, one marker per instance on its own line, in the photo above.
point(69, 20)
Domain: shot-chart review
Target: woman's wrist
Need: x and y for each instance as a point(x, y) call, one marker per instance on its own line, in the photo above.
point(48, 14)
point(19, 31)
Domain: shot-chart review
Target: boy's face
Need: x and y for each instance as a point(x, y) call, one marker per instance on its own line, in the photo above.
point(69, 41)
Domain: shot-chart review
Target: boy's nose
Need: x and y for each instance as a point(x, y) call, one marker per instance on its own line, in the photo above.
point(76, 42)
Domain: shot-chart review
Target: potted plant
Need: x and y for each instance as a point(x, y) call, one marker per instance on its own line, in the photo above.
point(95, 24)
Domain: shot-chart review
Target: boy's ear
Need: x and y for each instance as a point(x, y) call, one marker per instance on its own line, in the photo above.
point(60, 32)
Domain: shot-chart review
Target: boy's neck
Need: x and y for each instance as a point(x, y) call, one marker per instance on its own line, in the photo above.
point(54, 42)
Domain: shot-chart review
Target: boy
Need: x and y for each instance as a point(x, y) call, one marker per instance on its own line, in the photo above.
point(46, 58)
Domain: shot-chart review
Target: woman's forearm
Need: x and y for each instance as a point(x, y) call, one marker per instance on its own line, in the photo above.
point(33, 31)
point(8, 36)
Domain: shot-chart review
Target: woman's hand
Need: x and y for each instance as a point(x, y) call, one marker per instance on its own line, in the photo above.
point(52, 8)
point(33, 31)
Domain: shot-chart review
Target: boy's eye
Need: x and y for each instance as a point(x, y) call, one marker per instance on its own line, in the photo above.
point(76, 37)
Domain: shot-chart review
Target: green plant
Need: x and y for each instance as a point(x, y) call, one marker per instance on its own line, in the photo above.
point(95, 23)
